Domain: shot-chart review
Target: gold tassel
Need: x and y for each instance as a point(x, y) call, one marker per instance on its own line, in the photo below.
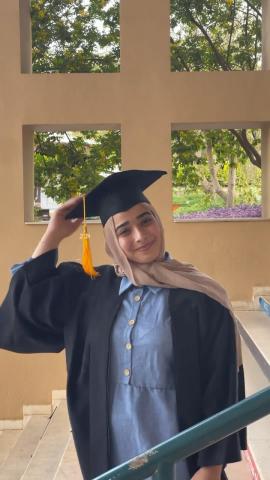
point(87, 262)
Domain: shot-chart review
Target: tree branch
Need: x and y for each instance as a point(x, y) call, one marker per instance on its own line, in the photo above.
point(231, 32)
point(250, 150)
point(213, 172)
point(255, 9)
point(246, 34)
point(219, 57)
point(231, 184)
point(256, 45)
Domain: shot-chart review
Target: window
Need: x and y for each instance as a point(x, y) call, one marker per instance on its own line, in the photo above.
point(76, 36)
point(216, 174)
point(68, 163)
point(215, 35)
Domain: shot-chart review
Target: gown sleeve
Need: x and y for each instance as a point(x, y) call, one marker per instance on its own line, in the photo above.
point(36, 306)
point(220, 379)
point(17, 266)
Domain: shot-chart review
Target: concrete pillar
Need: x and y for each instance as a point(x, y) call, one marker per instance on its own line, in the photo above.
point(145, 71)
point(10, 51)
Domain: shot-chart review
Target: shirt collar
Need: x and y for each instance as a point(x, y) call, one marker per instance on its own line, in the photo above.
point(126, 283)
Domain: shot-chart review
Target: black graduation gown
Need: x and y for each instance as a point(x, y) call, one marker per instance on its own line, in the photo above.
point(48, 309)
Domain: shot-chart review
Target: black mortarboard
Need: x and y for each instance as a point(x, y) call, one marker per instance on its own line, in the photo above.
point(116, 193)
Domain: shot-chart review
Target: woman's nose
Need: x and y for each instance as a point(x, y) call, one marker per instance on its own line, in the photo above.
point(138, 234)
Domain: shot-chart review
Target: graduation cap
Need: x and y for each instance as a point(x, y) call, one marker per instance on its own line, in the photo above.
point(116, 193)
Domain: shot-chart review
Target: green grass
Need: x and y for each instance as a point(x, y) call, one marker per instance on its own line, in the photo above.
point(195, 202)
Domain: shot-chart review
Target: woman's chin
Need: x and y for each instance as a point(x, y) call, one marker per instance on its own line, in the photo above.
point(146, 257)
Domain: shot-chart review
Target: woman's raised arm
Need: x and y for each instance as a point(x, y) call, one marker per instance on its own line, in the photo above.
point(58, 228)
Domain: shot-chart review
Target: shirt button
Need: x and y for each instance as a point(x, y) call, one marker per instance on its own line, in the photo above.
point(128, 346)
point(131, 322)
point(126, 372)
point(137, 298)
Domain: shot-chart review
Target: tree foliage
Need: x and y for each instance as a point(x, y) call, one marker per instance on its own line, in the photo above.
point(75, 36)
point(208, 160)
point(215, 35)
point(68, 163)
point(189, 149)
point(84, 36)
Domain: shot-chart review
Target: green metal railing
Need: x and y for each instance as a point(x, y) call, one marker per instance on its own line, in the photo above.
point(160, 459)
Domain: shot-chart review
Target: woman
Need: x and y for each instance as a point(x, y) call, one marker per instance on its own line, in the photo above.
point(150, 343)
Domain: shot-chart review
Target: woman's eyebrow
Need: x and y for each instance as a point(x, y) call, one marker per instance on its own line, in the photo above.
point(144, 214)
point(122, 225)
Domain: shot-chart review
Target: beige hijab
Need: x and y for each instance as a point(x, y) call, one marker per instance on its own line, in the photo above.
point(167, 273)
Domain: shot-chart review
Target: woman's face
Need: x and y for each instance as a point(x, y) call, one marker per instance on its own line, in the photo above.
point(138, 234)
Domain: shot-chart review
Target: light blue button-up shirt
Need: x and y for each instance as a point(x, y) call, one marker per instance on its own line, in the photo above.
point(142, 392)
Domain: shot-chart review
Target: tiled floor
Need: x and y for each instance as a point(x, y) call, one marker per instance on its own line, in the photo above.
point(239, 471)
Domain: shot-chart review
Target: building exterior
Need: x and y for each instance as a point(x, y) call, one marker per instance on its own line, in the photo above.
point(145, 100)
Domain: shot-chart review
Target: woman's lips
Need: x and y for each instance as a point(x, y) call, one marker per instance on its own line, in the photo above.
point(145, 247)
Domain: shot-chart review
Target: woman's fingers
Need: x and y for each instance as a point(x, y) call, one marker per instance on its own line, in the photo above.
point(64, 209)
point(69, 204)
point(76, 221)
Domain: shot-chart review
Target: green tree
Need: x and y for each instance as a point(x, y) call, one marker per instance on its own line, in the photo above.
point(68, 163)
point(75, 36)
point(214, 35)
point(72, 36)
point(209, 160)
point(205, 35)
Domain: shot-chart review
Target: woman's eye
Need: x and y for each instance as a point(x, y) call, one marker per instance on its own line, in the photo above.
point(146, 220)
point(123, 233)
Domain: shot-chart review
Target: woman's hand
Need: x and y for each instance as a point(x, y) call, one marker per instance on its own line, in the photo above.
point(208, 473)
point(59, 227)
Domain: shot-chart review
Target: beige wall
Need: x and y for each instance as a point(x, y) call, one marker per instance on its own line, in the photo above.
point(144, 100)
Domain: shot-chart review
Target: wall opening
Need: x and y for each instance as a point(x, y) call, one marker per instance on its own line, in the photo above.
point(79, 36)
point(216, 35)
point(64, 164)
point(216, 174)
